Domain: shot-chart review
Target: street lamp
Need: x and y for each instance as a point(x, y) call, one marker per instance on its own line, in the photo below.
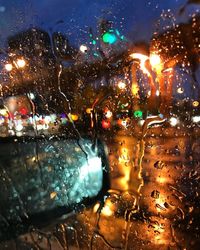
point(142, 59)
point(20, 63)
point(121, 85)
point(83, 48)
point(8, 66)
point(155, 62)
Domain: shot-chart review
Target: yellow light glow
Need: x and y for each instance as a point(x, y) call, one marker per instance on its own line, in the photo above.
point(195, 103)
point(134, 89)
point(155, 62)
point(88, 110)
point(3, 112)
point(74, 117)
point(8, 67)
point(162, 180)
point(142, 58)
point(139, 56)
point(21, 63)
point(53, 195)
point(96, 207)
point(107, 209)
point(124, 157)
point(159, 240)
point(158, 228)
point(168, 70)
point(121, 85)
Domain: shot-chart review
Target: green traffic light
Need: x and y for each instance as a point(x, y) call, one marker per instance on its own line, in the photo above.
point(109, 38)
point(138, 114)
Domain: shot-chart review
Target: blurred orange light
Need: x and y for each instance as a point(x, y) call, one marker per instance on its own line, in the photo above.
point(119, 122)
point(74, 117)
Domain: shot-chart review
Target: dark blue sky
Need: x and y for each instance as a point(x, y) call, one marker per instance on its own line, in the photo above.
point(136, 19)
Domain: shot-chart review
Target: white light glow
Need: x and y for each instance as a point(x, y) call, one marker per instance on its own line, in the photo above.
point(8, 67)
point(45, 126)
point(141, 122)
point(21, 63)
point(31, 96)
point(154, 60)
point(91, 167)
point(173, 121)
point(83, 48)
point(1, 120)
point(180, 90)
point(53, 117)
point(39, 127)
point(19, 127)
point(157, 92)
point(47, 119)
point(108, 114)
point(121, 85)
point(124, 123)
point(149, 93)
point(107, 209)
point(196, 119)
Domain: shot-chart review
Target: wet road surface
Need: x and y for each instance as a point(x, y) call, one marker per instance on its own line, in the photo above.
point(153, 202)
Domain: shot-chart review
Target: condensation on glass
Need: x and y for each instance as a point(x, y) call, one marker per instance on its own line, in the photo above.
point(99, 125)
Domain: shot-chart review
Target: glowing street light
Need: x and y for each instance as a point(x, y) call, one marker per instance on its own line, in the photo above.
point(8, 66)
point(83, 48)
point(108, 114)
point(20, 63)
point(157, 92)
point(195, 104)
point(74, 117)
point(173, 121)
point(180, 90)
point(142, 58)
point(155, 61)
point(4, 112)
point(121, 85)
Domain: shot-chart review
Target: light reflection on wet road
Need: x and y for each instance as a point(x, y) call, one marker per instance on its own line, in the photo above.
point(167, 218)
point(151, 206)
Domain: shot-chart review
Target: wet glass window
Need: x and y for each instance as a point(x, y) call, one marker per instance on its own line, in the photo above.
point(99, 124)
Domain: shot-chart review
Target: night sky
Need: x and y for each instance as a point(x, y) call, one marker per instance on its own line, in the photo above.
point(136, 19)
